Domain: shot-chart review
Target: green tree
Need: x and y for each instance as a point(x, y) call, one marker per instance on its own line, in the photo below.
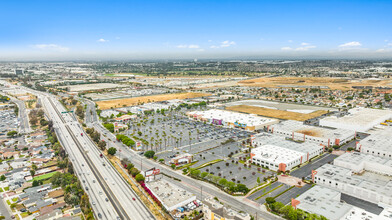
point(102, 145)
point(35, 183)
point(258, 180)
point(134, 171)
point(222, 182)
point(195, 173)
point(270, 200)
point(139, 177)
point(149, 154)
point(12, 133)
point(112, 151)
point(242, 188)
point(203, 174)
point(32, 172)
point(2, 177)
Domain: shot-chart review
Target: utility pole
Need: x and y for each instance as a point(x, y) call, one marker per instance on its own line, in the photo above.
point(141, 166)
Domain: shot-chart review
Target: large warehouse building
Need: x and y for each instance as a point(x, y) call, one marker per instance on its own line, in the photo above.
point(299, 131)
point(232, 119)
point(276, 153)
point(358, 119)
point(327, 202)
point(363, 176)
point(376, 144)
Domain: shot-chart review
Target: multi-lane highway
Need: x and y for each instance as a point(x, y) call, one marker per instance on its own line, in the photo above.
point(110, 195)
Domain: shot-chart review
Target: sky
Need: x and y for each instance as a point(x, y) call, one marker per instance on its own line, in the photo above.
point(168, 29)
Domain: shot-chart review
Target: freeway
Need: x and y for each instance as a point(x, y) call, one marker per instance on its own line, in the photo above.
point(111, 195)
point(24, 127)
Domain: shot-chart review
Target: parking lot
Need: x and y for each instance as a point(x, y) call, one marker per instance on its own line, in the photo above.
point(237, 173)
point(8, 121)
point(173, 132)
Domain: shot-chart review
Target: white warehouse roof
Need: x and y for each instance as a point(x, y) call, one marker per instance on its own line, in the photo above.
point(358, 119)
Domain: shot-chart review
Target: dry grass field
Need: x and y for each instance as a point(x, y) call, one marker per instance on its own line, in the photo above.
point(332, 83)
point(117, 103)
point(274, 113)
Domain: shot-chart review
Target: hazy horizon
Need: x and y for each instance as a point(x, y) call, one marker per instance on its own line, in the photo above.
point(157, 30)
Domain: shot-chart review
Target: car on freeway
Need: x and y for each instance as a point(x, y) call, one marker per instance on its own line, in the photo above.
point(133, 199)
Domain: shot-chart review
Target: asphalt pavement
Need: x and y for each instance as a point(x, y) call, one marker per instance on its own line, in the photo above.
point(306, 170)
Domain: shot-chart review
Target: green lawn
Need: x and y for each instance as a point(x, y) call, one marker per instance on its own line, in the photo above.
point(1, 189)
point(44, 177)
point(15, 199)
point(6, 188)
point(8, 202)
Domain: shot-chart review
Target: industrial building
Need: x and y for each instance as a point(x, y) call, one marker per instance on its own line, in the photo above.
point(362, 176)
point(277, 153)
point(325, 201)
point(359, 163)
point(377, 144)
point(249, 122)
point(170, 195)
point(213, 210)
point(299, 131)
point(358, 119)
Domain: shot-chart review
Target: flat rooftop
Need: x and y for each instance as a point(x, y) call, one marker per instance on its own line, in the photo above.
point(363, 117)
point(381, 142)
point(300, 127)
point(266, 138)
point(344, 175)
point(276, 154)
point(229, 116)
point(323, 201)
point(169, 194)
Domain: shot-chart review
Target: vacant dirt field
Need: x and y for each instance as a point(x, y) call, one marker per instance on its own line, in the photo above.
point(117, 103)
point(274, 113)
point(332, 83)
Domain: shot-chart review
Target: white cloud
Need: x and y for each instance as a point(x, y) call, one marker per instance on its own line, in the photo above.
point(390, 44)
point(223, 44)
point(102, 40)
point(304, 47)
point(191, 46)
point(286, 48)
point(227, 43)
point(50, 47)
point(381, 50)
point(209, 40)
point(117, 38)
point(351, 44)
point(290, 41)
point(200, 50)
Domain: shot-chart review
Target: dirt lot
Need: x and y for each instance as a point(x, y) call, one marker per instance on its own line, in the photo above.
point(332, 83)
point(274, 113)
point(117, 103)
